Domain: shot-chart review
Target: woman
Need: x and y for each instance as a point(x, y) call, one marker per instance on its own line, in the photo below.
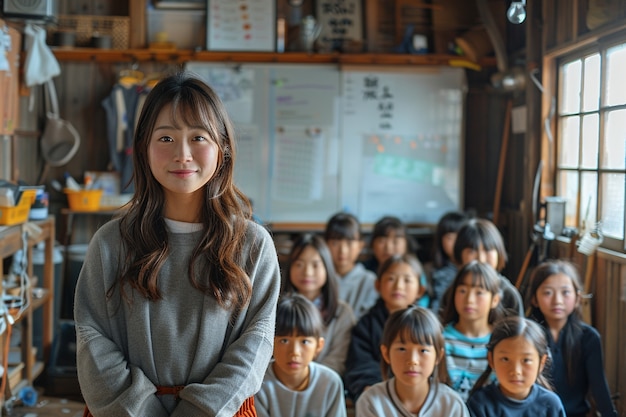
point(175, 304)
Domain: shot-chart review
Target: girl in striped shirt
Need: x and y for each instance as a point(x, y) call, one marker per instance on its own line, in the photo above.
point(472, 307)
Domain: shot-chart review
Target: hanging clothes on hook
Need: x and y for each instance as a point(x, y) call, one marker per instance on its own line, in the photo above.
point(122, 107)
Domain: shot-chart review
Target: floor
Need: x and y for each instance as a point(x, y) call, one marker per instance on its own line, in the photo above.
point(56, 397)
point(50, 407)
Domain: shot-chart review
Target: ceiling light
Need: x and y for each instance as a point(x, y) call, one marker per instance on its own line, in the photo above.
point(517, 12)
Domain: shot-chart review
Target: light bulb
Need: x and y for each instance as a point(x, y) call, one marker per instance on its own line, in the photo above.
point(516, 13)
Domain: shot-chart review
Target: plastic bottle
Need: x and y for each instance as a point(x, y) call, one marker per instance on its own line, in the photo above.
point(70, 183)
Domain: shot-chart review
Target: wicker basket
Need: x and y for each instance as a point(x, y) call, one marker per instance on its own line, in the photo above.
point(117, 27)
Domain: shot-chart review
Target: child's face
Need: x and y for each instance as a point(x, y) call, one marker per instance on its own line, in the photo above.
point(399, 286)
point(385, 247)
point(345, 253)
point(182, 159)
point(517, 365)
point(473, 303)
point(293, 354)
point(308, 273)
point(481, 255)
point(447, 244)
point(556, 297)
point(411, 363)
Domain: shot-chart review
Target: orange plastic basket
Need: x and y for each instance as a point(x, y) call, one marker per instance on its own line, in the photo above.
point(19, 213)
point(83, 200)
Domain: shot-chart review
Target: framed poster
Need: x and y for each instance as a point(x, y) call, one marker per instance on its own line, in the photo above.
point(244, 25)
point(342, 25)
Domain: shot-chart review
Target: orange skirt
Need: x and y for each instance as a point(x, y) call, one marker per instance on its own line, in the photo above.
point(246, 410)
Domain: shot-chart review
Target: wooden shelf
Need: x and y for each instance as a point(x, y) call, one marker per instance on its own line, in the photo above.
point(28, 368)
point(181, 56)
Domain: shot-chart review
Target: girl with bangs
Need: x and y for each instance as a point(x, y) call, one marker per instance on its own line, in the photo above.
point(176, 300)
point(518, 354)
point(310, 272)
point(399, 287)
point(473, 305)
point(577, 369)
point(480, 240)
point(294, 385)
point(412, 348)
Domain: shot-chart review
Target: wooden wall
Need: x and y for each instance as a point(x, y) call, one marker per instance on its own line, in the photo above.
point(568, 25)
point(608, 304)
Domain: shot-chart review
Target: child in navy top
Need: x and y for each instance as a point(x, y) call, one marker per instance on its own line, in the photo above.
point(577, 367)
point(399, 287)
point(518, 352)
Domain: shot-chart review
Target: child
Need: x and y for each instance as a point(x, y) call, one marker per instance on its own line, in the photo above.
point(175, 305)
point(518, 352)
point(577, 366)
point(412, 348)
point(389, 237)
point(311, 273)
point(480, 240)
point(356, 284)
point(444, 267)
point(399, 287)
point(294, 385)
point(472, 307)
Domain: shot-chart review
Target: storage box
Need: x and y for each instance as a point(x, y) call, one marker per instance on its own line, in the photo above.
point(85, 27)
point(185, 29)
point(83, 200)
point(19, 213)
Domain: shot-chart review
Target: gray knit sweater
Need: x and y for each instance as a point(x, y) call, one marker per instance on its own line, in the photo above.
point(124, 351)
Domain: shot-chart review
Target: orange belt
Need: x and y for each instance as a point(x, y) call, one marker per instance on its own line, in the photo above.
point(246, 410)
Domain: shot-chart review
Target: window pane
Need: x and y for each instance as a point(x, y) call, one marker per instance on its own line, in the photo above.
point(613, 205)
point(568, 189)
point(588, 199)
point(614, 151)
point(568, 142)
point(615, 80)
point(591, 86)
point(589, 156)
point(570, 88)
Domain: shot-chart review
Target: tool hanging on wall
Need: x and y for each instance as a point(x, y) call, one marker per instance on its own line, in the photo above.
point(60, 140)
point(588, 245)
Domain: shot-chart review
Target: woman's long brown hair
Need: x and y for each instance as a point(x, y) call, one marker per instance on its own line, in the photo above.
point(215, 267)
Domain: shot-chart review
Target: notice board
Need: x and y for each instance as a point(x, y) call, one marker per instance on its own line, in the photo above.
point(316, 139)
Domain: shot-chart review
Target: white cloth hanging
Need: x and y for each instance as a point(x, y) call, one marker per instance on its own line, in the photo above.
point(40, 64)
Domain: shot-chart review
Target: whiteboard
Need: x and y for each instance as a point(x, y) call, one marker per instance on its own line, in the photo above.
point(286, 121)
point(401, 133)
point(316, 139)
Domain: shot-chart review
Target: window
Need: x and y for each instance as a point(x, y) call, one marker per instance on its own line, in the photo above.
point(591, 140)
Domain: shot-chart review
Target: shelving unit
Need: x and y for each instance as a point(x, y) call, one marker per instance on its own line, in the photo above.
point(10, 243)
point(181, 56)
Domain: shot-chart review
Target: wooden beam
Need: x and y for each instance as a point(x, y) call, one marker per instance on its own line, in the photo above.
point(138, 23)
point(506, 132)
